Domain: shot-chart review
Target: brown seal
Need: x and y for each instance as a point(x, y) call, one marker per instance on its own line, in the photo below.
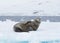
point(27, 25)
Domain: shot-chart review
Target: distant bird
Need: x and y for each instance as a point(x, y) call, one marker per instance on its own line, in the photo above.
point(39, 3)
point(35, 12)
point(27, 26)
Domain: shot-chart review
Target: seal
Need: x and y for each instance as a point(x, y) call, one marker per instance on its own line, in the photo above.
point(27, 26)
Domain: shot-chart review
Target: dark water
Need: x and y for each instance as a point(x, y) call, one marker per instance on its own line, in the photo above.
point(43, 18)
point(14, 41)
point(51, 41)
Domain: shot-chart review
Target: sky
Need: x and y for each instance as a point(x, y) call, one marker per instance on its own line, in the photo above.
point(29, 7)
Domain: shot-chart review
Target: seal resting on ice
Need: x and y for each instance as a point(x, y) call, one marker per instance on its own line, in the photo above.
point(27, 26)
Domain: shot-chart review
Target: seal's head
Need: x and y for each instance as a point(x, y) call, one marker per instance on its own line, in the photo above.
point(38, 20)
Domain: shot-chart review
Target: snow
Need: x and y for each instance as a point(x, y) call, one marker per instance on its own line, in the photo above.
point(46, 31)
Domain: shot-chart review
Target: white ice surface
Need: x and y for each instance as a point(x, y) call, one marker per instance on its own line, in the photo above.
point(46, 31)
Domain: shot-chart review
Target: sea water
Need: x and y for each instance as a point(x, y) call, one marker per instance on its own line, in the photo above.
point(19, 18)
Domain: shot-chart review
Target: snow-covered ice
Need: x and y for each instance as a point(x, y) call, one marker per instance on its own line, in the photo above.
point(46, 31)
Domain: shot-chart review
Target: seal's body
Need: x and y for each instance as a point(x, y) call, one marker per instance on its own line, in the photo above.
point(27, 26)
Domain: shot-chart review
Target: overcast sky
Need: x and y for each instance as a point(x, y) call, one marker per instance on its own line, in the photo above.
point(28, 7)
